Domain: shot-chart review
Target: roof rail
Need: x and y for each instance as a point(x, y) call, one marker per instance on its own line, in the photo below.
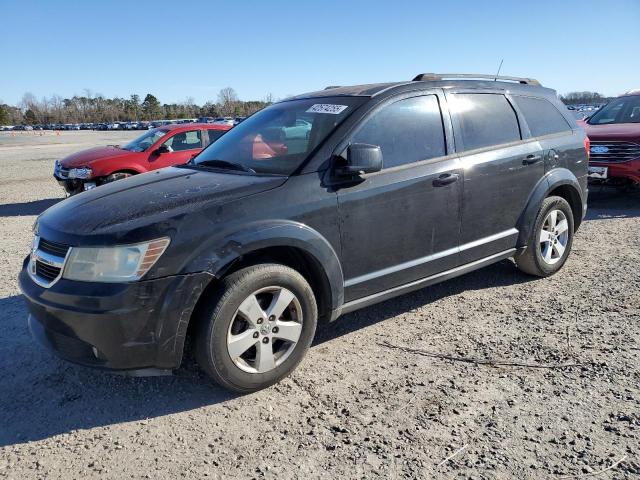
point(330, 87)
point(426, 77)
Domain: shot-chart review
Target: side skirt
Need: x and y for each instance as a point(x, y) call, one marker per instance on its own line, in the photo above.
point(418, 284)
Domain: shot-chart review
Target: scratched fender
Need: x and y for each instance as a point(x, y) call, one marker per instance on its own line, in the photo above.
point(218, 254)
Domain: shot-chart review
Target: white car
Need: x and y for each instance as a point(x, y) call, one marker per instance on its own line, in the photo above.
point(224, 121)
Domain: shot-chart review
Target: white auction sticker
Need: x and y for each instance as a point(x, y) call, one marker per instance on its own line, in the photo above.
point(327, 108)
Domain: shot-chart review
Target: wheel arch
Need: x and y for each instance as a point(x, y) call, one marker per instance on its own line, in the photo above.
point(558, 182)
point(286, 242)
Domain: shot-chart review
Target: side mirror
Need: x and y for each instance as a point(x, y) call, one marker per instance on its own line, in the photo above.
point(161, 149)
point(361, 158)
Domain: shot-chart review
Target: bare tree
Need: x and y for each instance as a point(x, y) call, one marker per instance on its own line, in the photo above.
point(227, 101)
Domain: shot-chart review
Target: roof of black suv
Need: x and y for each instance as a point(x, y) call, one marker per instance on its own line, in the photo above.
point(435, 80)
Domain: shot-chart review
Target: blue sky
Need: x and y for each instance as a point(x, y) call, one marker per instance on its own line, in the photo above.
point(179, 49)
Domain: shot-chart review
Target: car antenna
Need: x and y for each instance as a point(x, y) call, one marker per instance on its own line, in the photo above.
point(498, 72)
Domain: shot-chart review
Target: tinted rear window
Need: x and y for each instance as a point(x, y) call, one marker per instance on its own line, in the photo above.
point(485, 119)
point(541, 116)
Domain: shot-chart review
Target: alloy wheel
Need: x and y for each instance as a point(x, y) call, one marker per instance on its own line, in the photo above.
point(554, 237)
point(265, 329)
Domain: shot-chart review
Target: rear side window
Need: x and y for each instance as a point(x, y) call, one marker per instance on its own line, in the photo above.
point(485, 119)
point(407, 131)
point(541, 116)
point(214, 135)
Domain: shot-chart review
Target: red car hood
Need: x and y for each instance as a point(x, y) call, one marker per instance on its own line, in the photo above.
point(85, 157)
point(628, 132)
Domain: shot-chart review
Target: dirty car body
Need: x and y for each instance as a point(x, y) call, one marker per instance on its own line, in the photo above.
point(358, 237)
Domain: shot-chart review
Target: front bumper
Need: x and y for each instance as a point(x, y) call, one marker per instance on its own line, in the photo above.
point(117, 326)
point(624, 170)
point(70, 185)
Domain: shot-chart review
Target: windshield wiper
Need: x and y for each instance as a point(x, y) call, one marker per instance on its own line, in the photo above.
point(223, 164)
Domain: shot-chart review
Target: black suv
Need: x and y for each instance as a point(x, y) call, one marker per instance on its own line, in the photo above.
point(313, 207)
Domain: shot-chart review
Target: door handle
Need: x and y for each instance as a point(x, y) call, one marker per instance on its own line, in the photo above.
point(445, 179)
point(531, 159)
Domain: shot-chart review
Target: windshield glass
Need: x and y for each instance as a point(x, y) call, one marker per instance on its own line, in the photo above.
point(278, 139)
point(144, 141)
point(620, 110)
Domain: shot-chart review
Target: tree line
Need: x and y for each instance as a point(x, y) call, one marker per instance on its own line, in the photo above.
point(584, 98)
point(90, 108)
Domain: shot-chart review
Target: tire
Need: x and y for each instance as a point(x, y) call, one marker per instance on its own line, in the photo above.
point(117, 176)
point(225, 327)
point(540, 258)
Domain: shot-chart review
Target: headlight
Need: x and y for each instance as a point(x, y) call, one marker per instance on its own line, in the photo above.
point(124, 263)
point(82, 173)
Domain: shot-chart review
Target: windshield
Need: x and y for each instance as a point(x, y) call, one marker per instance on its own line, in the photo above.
point(620, 110)
point(278, 139)
point(144, 141)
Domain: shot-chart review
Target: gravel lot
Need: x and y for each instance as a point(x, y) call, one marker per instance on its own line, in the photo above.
point(355, 408)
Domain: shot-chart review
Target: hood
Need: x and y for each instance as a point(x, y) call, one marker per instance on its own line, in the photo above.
point(628, 132)
point(85, 157)
point(119, 211)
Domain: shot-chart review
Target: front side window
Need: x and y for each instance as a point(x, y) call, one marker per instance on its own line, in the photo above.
point(144, 141)
point(184, 141)
point(406, 131)
point(278, 139)
point(485, 119)
point(541, 116)
point(620, 110)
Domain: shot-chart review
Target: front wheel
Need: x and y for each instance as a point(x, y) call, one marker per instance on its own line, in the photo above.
point(257, 328)
point(117, 176)
point(550, 241)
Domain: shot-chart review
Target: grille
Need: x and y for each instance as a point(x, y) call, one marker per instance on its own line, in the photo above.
point(54, 248)
point(613, 152)
point(47, 261)
point(46, 272)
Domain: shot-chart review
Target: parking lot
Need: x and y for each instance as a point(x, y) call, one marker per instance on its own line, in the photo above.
point(514, 376)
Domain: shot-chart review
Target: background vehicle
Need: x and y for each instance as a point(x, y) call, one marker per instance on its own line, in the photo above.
point(265, 233)
point(614, 133)
point(157, 148)
point(224, 121)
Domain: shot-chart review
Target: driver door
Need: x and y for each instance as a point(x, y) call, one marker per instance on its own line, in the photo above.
point(403, 223)
point(181, 147)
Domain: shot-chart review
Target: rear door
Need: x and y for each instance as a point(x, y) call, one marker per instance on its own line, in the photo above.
point(402, 223)
point(554, 133)
point(501, 168)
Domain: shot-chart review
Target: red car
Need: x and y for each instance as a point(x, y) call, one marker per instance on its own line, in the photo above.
point(157, 148)
point(614, 134)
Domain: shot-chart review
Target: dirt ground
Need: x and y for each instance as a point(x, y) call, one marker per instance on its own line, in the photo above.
point(356, 407)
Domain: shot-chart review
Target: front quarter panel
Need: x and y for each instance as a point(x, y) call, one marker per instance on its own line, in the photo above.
point(300, 214)
point(135, 162)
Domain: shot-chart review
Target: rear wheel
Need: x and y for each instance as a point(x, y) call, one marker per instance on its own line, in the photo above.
point(257, 328)
point(551, 238)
